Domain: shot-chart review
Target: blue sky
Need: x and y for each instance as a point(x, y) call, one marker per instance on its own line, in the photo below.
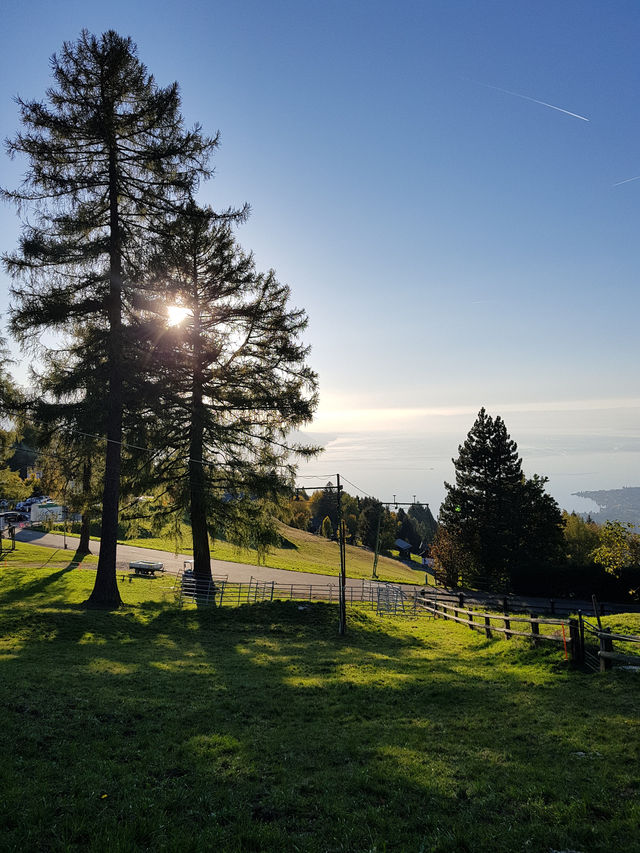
point(454, 245)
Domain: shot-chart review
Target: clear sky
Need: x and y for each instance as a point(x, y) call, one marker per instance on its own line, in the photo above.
point(423, 176)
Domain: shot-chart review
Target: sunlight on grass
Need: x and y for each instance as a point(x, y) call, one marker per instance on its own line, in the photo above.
point(110, 667)
point(259, 728)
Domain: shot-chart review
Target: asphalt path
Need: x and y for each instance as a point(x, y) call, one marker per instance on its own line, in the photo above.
point(236, 572)
point(244, 572)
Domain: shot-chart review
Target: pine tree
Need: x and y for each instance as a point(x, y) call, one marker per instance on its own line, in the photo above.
point(226, 385)
point(376, 525)
point(9, 405)
point(68, 412)
point(12, 487)
point(324, 502)
point(502, 522)
point(426, 523)
point(108, 159)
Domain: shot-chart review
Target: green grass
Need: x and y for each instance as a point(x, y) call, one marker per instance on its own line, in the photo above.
point(259, 729)
point(26, 554)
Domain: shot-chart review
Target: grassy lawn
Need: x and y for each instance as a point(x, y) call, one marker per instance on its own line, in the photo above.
point(259, 729)
point(26, 555)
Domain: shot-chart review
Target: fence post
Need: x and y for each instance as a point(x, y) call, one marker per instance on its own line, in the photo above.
point(487, 626)
point(574, 648)
point(471, 624)
point(581, 629)
point(606, 645)
point(461, 599)
point(535, 631)
point(507, 628)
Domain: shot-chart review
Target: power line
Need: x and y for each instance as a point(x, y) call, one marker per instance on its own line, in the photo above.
point(366, 494)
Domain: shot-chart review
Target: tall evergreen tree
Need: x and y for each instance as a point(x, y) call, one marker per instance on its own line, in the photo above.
point(425, 522)
point(69, 415)
point(501, 521)
point(12, 487)
point(376, 524)
point(227, 384)
point(9, 405)
point(108, 159)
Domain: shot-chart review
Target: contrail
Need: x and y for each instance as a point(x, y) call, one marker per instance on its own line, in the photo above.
point(535, 100)
point(627, 181)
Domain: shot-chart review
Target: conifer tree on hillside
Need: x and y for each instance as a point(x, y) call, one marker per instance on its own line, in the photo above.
point(226, 385)
point(426, 523)
point(501, 522)
point(376, 524)
point(108, 160)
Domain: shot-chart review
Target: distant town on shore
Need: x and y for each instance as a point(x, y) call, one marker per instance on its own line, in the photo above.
point(615, 504)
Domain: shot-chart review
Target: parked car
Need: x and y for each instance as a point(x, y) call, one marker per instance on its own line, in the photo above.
point(12, 517)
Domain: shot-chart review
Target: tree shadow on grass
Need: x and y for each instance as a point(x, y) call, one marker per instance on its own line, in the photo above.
point(36, 587)
point(259, 728)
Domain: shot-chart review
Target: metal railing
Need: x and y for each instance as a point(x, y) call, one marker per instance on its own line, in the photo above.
point(384, 597)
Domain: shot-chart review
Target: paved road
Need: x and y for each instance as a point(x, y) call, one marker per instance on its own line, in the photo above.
point(243, 572)
point(237, 572)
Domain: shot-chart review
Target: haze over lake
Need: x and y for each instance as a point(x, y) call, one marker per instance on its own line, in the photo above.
point(409, 452)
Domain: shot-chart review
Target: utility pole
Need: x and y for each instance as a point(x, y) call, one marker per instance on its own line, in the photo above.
point(374, 575)
point(342, 628)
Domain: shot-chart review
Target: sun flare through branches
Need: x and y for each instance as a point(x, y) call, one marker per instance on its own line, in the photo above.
point(176, 314)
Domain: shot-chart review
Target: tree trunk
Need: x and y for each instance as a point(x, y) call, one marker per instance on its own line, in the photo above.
point(105, 591)
point(83, 545)
point(197, 482)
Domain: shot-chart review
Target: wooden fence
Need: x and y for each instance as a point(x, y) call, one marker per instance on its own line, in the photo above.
point(566, 634)
point(510, 603)
point(582, 641)
point(597, 651)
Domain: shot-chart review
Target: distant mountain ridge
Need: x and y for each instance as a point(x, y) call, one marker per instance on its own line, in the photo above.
point(615, 504)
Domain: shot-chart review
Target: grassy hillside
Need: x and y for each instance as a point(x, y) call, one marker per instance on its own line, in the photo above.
point(259, 729)
point(308, 553)
point(303, 552)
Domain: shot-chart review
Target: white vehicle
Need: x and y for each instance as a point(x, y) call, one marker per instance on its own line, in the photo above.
point(47, 512)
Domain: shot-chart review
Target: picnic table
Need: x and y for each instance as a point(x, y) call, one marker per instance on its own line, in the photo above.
point(146, 568)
